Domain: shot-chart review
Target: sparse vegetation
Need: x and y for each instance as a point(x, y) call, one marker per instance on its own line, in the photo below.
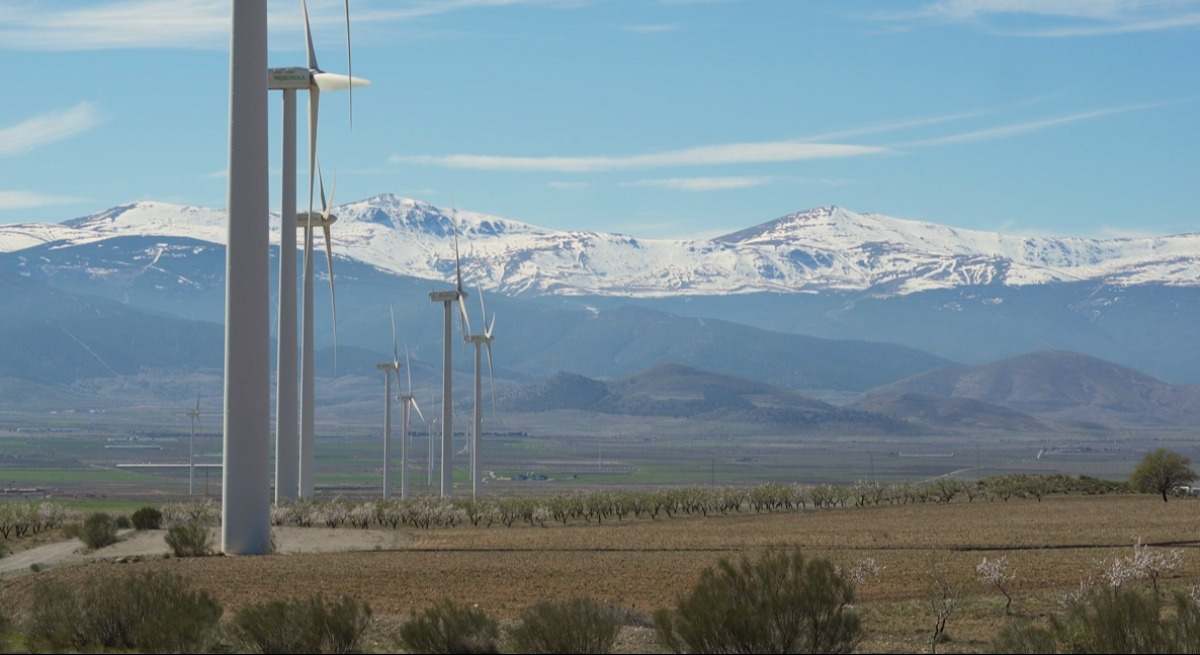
point(18, 520)
point(301, 626)
point(605, 506)
point(575, 626)
point(944, 597)
point(147, 518)
point(1161, 472)
point(448, 627)
point(151, 612)
point(779, 603)
point(190, 538)
point(1111, 620)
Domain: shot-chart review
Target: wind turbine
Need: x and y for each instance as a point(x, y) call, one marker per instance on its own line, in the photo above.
point(193, 414)
point(481, 341)
point(245, 498)
point(294, 456)
point(312, 220)
point(388, 369)
point(448, 298)
point(409, 403)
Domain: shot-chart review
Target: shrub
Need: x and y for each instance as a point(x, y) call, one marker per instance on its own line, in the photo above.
point(122, 522)
point(575, 626)
point(450, 628)
point(98, 530)
point(302, 626)
point(147, 518)
point(150, 612)
point(1110, 620)
point(780, 603)
point(190, 538)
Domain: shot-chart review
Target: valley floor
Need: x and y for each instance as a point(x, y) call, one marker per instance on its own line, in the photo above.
point(643, 565)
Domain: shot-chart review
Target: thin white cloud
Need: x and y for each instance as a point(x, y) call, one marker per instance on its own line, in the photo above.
point(1016, 129)
point(1056, 18)
point(12, 200)
point(47, 128)
point(564, 185)
point(702, 183)
point(894, 126)
point(652, 28)
point(723, 154)
point(196, 24)
point(1126, 27)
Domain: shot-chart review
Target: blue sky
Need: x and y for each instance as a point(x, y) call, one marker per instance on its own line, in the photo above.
point(653, 117)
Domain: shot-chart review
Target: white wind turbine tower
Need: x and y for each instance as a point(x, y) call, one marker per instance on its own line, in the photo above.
point(481, 341)
point(448, 298)
point(245, 497)
point(194, 415)
point(408, 403)
point(314, 80)
point(388, 369)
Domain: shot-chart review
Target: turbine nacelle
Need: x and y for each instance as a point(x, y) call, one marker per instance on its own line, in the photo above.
point(299, 78)
point(318, 220)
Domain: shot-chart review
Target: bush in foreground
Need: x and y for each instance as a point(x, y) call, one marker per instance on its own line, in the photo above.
point(98, 530)
point(189, 539)
point(448, 627)
point(302, 626)
point(576, 626)
point(780, 603)
point(151, 612)
point(1111, 620)
point(147, 518)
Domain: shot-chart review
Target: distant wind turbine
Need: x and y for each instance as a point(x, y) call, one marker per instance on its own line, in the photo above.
point(481, 341)
point(193, 414)
point(448, 298)
point(389, 368)
point(408, 403)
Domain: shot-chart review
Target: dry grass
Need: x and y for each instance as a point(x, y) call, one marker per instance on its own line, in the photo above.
point(644, 565)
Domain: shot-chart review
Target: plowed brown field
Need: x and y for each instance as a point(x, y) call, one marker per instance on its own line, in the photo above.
point(643, 565)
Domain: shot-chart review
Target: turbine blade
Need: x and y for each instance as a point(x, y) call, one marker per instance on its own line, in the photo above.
point(466, 321)
point(457, 262)
point(312, 54)
point(314, 110)
point(408, 369)
point(332, 294)
point(349, 65)
point(491, 375)
point(417, 407)
point(482, 309)
point(491, 328)
point(395, 348)
point(321, 181)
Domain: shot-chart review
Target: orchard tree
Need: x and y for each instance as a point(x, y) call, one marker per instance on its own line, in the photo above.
point(1161, 471)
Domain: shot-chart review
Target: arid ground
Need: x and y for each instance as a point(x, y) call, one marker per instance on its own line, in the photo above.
point(643, 565)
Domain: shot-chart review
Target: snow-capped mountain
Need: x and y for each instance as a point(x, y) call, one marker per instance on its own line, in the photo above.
point(823, 249)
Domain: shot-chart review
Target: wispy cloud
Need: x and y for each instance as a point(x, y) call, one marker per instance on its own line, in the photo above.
point(724, 154)
point(47, 128)
point(894, 126)
point(1016, 129)
point(1067, 18)
point(653, 28)
point(11, 200)
point(702, 183)
point(195, 24)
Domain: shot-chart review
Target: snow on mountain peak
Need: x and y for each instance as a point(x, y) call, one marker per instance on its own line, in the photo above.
point(824, 248)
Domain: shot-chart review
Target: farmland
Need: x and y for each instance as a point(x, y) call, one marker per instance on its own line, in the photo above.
point(643, 564)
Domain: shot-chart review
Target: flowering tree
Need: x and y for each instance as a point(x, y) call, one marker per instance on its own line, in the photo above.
point(996, 573)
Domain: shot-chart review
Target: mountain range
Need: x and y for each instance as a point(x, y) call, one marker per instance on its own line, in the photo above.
point(821, 249)
point(824, 299)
